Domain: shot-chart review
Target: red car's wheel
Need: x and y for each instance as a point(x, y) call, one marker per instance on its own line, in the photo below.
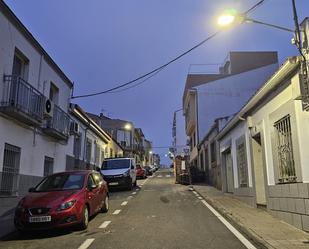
point(85, 219)
point(105, 206)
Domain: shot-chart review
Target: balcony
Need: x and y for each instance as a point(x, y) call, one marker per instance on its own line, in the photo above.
point(139, 148)
point(21, 101)
point(59, 125)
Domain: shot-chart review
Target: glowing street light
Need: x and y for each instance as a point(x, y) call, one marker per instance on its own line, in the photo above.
point(231, 17)
point(226, 20)
point(150, 152)
point(128, 126)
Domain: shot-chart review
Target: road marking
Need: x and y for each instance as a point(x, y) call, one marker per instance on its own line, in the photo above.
point(124, 203)
point(200, 198)
point(168, 176)
point(159, 176)
point(117, 211)
point(243, 240)
point(133, 193)
point(105, 224)
point(86, 244)
point(130, 197)
point(137, 189)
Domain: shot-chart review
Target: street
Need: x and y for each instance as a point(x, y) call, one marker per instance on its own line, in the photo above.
point(157, 214)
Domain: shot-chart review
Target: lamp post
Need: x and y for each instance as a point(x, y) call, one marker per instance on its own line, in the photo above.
point(128, 127)
point(230, 17)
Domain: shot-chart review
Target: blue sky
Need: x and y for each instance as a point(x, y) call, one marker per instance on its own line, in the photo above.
point(101, 43)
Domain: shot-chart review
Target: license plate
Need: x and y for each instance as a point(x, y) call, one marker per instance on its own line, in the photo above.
point(113, 183)
point(36, 219)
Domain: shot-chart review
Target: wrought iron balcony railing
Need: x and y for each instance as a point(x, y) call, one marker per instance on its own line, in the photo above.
point(59, 125)
point(21, 100)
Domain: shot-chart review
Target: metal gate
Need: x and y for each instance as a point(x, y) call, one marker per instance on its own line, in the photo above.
point(10, 172)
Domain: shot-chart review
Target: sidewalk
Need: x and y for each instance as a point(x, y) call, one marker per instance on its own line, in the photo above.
point(7, 209)
point(255, 223)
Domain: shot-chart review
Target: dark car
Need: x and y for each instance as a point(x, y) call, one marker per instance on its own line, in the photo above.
point(62, 199)
point(148, 170)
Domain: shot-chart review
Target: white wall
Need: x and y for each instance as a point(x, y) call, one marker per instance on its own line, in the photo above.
point(181, 137)
point(34, 146)
point(226, 96)
point(262, 116)
point(11, 38)
point(240, 130)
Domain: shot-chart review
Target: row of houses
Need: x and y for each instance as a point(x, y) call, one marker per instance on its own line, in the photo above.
point(247, 129)
point(41, 130)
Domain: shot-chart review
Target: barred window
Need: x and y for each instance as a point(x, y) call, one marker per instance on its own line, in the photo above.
point(97, 154)
point(48, 166)
point(284, 150)
point(88, 150)
point(242, 164)
point(213, 152)
point(77, 146)
point(10, 172)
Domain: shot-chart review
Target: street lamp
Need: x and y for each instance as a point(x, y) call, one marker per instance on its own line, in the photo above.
point(230, 18)
point(128, 126)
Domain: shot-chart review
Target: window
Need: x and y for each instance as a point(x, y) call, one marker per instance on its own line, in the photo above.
point(242, 163)
point(90, 182)
point(284, 150)
point(48, 166)
point(97, 178)
point(77, 147)
point(97, 154)
point(202, 161)
point(10, 172)
point(53, 93)
point(206, 160)
point(20, 65)
point(102, 156)
point(213, 152)
point(88, 150)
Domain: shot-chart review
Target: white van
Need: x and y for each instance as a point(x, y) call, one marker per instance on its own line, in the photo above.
point(119, 172)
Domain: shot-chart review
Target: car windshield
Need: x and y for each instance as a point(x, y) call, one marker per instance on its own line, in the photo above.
point(116, 164)
point(61, 182)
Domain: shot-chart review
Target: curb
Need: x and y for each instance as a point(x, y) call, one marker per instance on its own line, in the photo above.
point(248, 233)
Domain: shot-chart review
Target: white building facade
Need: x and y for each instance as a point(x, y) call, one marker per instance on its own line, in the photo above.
point(34, 101)
point(264, 148)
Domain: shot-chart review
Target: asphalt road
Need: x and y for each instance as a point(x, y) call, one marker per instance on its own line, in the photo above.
point(156, 214)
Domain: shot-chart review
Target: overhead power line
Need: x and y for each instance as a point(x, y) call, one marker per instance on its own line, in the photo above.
point(155, 71)
point(149, 73)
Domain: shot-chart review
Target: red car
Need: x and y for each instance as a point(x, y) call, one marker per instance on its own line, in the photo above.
point(140, 172)
point(62, 199)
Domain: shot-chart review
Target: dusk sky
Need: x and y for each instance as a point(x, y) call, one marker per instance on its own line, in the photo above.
point(100, 44)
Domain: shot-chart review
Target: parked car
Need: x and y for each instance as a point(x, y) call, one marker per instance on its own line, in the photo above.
point(153, 169)
point(119, 172)
point(148, 170)
point(62, 199)
point(140, 172)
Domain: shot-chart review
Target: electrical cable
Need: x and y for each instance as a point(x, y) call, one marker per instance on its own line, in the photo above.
point(158, 69)
point(137, 84)
point(151, 72)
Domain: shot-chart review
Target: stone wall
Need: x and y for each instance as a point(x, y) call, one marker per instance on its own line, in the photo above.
point(290, 202)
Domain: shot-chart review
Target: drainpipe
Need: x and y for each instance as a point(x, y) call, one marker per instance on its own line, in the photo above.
point(85, 142)
point(40, 70)
point(197, 126)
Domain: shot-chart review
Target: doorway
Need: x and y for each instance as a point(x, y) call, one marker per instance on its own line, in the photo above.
point(258, 166)
point(229, 171)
